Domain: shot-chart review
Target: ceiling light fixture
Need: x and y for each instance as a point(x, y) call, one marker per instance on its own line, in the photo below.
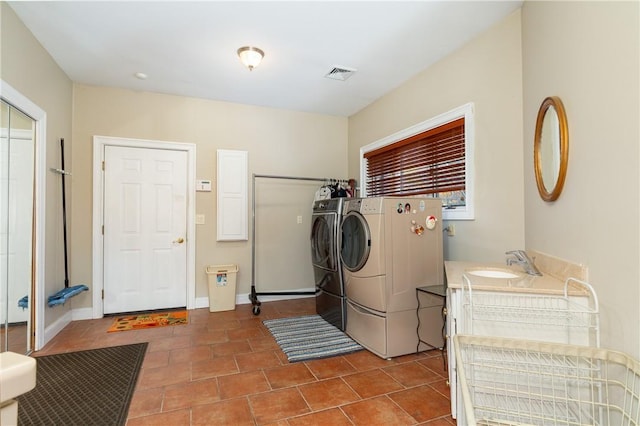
point(250, 56)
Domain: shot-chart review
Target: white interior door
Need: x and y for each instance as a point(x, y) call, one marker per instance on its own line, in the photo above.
point(145, 228)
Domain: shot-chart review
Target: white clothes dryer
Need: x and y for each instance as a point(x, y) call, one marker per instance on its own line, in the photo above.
point(390, 246)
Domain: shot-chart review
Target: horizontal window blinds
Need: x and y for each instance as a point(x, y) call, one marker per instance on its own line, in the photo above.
point(427, 163)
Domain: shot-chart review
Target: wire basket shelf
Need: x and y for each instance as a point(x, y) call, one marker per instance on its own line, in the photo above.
point(523, 382)
point(571, 317)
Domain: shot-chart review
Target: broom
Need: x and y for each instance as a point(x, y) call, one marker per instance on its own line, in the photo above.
point(60, 297)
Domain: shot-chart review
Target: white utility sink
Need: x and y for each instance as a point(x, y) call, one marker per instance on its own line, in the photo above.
point(497, 273)
point(17, 375)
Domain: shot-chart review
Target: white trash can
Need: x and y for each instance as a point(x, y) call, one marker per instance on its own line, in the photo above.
point(222, 287)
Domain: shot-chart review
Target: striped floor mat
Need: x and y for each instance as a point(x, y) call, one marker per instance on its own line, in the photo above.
point(310, 337)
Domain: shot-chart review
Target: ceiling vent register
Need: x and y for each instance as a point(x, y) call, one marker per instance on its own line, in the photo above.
point(340, 73)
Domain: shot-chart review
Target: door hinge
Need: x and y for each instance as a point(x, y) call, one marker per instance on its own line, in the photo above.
point(103, 294)
point(103, 166)
point(102, 229)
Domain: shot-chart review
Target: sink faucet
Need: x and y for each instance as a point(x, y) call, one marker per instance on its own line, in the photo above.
point(520, 258)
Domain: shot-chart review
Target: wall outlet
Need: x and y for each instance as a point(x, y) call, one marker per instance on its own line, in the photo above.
point(451, 230)
point(299, 220)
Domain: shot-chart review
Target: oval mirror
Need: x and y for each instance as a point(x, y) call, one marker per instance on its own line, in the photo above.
point(551, 148)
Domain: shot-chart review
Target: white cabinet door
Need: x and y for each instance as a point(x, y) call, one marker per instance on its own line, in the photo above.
point(232, 195)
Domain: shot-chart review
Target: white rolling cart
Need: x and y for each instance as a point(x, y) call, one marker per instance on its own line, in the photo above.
point(571, 317)
point(524, 382)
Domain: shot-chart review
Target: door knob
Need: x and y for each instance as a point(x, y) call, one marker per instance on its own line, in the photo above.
point(179, 241)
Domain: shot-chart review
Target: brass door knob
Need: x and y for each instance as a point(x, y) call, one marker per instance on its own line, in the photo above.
point(179, 241)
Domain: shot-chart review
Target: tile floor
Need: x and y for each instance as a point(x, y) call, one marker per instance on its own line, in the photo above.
point(225, 368)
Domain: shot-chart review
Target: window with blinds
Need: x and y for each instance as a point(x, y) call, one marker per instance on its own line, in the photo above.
point(428, 163)
point(430, 159)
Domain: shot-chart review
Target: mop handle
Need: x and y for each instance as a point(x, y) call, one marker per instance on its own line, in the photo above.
point(64, 218)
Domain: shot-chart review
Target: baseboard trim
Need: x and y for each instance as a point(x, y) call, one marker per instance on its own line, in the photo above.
point(81, 314)
point(57, 326)
point(201, 302)
point(276, 297)
point(243, 299)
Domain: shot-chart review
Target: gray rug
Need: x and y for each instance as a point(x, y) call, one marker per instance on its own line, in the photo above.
point(91, 387)
point(310, 337)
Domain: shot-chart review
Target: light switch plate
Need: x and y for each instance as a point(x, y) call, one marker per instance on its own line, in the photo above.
point(199, 219)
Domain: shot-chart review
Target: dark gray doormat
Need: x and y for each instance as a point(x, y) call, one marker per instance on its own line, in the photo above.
point(310, 337)
point(91, 387)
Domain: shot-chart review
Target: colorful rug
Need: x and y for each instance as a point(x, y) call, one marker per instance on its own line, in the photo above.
point(91, 387)
point(310, 337)
point(142, 321)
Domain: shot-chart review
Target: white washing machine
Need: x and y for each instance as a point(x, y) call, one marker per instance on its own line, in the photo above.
point(390, 246)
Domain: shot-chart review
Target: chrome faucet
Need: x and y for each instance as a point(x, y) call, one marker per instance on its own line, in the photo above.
point(520, 258)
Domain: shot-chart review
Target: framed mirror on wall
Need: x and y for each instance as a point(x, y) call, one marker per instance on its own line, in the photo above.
point(551, 148)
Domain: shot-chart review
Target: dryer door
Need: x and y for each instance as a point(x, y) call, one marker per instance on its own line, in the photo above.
point(323, 239)
point(356, 241)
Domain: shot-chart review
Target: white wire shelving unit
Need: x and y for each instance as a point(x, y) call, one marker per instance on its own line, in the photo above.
point(571, 317)
point(522, 382)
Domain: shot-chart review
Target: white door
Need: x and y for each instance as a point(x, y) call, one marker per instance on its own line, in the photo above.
point(145, 228)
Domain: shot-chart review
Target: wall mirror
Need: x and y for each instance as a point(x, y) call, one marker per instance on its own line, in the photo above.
point(551, 148)
point(17, 153)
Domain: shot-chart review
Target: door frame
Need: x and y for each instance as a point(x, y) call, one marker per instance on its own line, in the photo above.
point(99, 143)
point(18, 100)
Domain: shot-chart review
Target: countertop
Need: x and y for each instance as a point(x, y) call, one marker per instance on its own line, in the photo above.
point(545, 284)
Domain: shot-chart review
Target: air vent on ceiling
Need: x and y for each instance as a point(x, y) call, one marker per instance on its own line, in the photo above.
point(340, 73)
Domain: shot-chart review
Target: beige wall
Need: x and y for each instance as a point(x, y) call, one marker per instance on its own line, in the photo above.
point(587, 53)
point(279, 142)
point(29, 69)
point(584, 52)
point(487, 71)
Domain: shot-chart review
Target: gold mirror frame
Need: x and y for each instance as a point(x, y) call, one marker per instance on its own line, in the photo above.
point(550, 105)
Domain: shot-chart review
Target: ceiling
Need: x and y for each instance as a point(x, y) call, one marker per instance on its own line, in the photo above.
point(189, 48)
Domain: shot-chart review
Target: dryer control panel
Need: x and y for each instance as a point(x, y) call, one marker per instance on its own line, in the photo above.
point(371, 205)
point(352, 205)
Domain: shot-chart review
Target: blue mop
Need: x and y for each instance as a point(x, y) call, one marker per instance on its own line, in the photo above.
point(24, 302)
point(60, 297)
